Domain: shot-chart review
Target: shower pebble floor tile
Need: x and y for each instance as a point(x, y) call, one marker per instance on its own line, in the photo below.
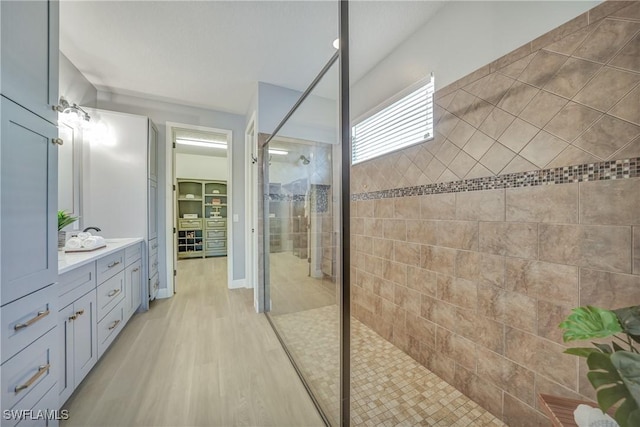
point(388, 387)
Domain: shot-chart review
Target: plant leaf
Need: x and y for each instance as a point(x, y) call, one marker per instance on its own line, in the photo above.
point(605, 348)
point(629, 318)
point(588, 322)
point(580, 351)
point(609, 384)
point(634, 418)
point(628, 366)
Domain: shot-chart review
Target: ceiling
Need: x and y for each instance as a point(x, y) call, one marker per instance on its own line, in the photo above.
point(211, 53)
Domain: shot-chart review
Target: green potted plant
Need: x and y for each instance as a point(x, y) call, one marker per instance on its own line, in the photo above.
point(614, 369)
point(64, 219)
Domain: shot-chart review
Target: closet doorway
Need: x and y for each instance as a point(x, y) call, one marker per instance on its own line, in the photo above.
point(201, 187)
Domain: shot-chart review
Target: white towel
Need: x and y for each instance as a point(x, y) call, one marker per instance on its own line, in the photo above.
point(90, 242)
point(83, 235)
point(74, 243)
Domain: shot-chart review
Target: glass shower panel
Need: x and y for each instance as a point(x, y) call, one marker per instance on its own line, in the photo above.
point(302, 203)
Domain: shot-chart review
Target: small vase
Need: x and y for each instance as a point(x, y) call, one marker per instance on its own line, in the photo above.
point(62, 239)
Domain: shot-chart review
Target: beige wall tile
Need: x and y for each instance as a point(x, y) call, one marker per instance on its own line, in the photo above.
point(462, 350)
point(365, 208)
point(407, 253)
point(440, 260)
point(468, 265)
point(542, 67)
point(519, 164)
point(479, 171)
point(422, 329)
point(461, 134)
point(631, 12)
point(445, 126)
point(421, 280)
point(483, 331)
point(447, 152)
point(406, 207)
point(636, 250)
point(571, 77)
point(478, 145)
point(487, 205)
point(572, 120)
point(357, 226)
point(572, 156)
point(570, 43)
point(604, 247)
point(543, 356)
point(520, 311)
point(514, 66)
point(629, 107)
point(458, 234)
point(615, 202)
point(509, 239)
point(441, 365)
point(517, 413)
point(491, 302)
point(462, 164)
point(477, 113)
point(492, 270)
point(438, 311)
point(496, 122)
point(549, 317)
point(631, 150)
point(497, 157)
point(544, 203)
point(518, 135)
point(507, 375)
point(603, 10)
point(364, 244)
point(584, 386)
point(606, 40)
point(395, 229)
point(542, 108)
point(607, 136)
point(550, 282)
point(629, 57)
point(542, 149)
point(422, 231)
point(435, 169)
point(383, 208)
point(478, 389)
point(383, 248)
point(460, 103)
point(373, 227)
point(456, 291)
point(607, 88)
point(608, 290)
point(395, 272)
point(518, 97)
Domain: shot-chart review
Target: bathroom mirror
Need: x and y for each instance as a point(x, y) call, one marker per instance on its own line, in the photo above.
point(69, 168)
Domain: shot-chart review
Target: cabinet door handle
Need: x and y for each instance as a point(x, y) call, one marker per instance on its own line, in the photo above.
point(80, 312)
point(113, 264)
point(40, 316)
point(73, 317)
point(41, 370)
point(113, 293)
point(114, 324)
point(155, 245)
point(135, 269)
point(57, 141)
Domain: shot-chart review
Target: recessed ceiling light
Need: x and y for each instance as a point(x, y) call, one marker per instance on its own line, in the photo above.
point(336, 43)
point(201, 143)
point(278, 152)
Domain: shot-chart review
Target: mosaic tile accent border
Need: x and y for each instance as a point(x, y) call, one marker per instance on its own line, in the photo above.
point(613, 169)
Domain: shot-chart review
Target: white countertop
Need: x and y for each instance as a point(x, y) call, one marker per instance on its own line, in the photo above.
point(67, 262)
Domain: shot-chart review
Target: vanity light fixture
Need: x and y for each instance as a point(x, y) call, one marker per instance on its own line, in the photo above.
point(202, 143)
point(278, 152)
point(336, 43)
point(67, 108)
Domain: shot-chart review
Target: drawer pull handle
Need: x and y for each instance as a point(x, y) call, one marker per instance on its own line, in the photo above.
point(40, 316)
point(80, 312)
point(113, 293)
point(41, 370)
point(155, 245)
point(113, 264)
point(135, 269)
point(73, 317)
point(57, 141)
point(114, 324)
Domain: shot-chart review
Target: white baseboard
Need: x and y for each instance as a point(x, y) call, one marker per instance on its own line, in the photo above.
point(235, 284)
point(317, 274)
point(163, 293)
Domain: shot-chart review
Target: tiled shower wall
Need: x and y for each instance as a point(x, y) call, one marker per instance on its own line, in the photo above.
point(473, 284)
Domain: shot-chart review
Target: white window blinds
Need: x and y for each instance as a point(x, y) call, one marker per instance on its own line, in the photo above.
point(406, 122)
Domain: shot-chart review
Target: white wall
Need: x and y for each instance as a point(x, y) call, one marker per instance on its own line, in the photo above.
point(201, 167)
point(462, 37)
point(74, 86)
point(163, 112)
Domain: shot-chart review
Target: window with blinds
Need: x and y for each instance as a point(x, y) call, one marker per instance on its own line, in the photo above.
point(405, 122)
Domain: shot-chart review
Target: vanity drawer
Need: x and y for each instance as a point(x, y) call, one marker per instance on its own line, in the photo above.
point(132, 254)
point(216, 234)
point(215, 244)
point(27, 319)
point(28, 375)
point(153, 246)
point(216, 223)
point(48, 403)
point(110, 327)
point(75, 283)
point(189, 224)
point(110, 293)
point(109, 265)
point(153, 265)
point(154, 286)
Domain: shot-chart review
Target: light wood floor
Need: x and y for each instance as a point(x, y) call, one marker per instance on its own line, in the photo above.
point(203, 358)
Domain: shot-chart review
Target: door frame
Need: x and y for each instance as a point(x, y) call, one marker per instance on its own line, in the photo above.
point(251, 210)
point(171, 223)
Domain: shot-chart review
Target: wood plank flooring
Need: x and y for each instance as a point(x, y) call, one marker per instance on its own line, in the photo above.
point(202, 358)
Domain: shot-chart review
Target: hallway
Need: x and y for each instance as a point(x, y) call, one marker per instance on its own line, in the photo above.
point(203, 358)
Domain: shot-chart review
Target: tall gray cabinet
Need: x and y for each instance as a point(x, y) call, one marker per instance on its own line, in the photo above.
point(28, 205)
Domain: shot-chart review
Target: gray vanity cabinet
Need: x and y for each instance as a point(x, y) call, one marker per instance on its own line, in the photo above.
point(29, 55)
